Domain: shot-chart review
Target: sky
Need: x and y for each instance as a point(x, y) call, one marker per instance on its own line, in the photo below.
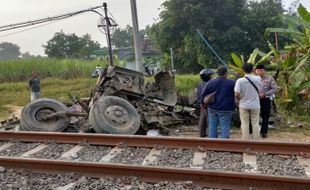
point(14, 11)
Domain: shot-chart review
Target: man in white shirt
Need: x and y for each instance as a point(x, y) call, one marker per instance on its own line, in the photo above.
point(247, 94)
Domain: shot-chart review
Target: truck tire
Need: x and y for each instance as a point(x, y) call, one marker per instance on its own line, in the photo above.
point(32, 113)
point(114, 115)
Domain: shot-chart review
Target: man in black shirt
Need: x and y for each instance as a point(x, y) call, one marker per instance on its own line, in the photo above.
point(34, 84)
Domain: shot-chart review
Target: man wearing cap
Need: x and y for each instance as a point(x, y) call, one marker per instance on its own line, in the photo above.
point(221, 109)
point(205, 75)
point(268, 87)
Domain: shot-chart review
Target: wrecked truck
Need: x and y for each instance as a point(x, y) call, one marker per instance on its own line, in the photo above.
point(120, 103)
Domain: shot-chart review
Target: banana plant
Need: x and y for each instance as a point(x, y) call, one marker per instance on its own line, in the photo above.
point(295, 67)
point(238, 62)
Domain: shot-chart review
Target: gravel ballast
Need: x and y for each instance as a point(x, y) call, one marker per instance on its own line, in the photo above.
point(171, 157)
point(279, 165)
point(3, 142)
point(28, 180)
point(225, 161)
point(132, 183)
point(53, 151)
point(131, 155)
point(18, 148)
point(92, 153)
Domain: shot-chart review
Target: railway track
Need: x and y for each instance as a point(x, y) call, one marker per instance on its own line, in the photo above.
point(212, 163)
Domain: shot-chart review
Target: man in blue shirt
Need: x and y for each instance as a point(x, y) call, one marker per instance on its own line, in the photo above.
point(221, 109)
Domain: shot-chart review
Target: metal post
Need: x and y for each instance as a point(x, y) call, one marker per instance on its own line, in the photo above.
point(171, 56)
point(136, 36)
point(108, 34)
point(276, 40)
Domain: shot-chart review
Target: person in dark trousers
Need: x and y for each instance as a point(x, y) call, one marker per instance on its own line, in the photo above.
point(221, 109)
point(268, 87)
point(34, 84)
point(205, 75)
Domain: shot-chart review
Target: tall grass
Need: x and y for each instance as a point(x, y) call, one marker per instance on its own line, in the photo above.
point(20, 70)
point(186, 84)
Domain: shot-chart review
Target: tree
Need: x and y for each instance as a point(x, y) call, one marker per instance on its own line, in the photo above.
point(177, 29)
point(229, 26)
point(9, 51)
point(27, 55)
point(260, 15)
point(71, 46)
point(123, 38)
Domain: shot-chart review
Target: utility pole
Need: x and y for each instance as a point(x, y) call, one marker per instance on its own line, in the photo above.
point(108, 34)
point(136, 36)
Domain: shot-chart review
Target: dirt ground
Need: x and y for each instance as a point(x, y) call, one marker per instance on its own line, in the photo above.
point(192, 131)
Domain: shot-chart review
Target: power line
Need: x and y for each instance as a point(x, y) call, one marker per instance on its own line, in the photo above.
point(48, 19)
point(27, 29)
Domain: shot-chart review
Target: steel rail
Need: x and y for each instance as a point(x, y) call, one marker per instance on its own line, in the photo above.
point(169, 142)
point(213, 179)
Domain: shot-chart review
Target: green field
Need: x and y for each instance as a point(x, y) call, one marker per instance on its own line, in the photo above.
point(20, 70)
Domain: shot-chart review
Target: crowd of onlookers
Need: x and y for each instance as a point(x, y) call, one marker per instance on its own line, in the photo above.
point(251, 95)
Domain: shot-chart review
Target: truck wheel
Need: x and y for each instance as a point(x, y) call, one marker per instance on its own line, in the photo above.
point(114, 115)
point(32, 114)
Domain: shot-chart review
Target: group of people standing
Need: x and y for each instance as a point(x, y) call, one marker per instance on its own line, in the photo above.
point(251, 94)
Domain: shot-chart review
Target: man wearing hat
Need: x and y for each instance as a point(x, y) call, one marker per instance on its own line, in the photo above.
point(268, 87)
point(205, 75)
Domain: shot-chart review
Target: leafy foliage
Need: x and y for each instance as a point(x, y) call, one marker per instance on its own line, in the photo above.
point(229, 25)
point(256, 57)
point(295, 67)
point(123, 38)
point(70, 46)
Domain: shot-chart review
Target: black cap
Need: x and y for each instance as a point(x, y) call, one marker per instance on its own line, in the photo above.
point(206, 72)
